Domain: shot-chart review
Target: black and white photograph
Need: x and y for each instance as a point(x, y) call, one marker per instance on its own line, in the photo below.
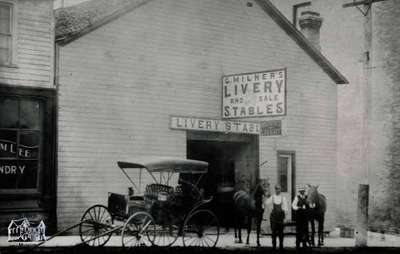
point(202, 126)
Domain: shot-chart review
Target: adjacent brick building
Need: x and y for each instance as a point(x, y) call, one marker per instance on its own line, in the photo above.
point(127, 69)
point(374, 106)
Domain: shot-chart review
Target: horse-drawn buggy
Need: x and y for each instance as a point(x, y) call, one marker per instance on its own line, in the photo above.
point(160, 213)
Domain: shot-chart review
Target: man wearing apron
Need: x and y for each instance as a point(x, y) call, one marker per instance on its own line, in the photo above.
point(300, 205)
point(277, 217)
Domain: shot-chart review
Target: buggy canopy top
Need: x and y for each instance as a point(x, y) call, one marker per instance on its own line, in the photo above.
point(166, 164)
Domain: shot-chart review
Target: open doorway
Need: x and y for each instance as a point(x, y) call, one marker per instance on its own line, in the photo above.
point(228, 161)
point(286, 176)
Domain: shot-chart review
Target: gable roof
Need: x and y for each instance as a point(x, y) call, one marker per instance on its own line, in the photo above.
point(77, 20)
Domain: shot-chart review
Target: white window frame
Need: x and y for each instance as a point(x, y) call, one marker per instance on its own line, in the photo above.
point(13, 25)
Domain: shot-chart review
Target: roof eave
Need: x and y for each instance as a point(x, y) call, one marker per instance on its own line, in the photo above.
point(302, 41)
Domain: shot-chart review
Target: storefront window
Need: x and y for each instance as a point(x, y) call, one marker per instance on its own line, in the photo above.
point(20, 142)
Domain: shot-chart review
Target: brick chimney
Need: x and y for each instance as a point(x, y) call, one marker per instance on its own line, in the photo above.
point(310, 22)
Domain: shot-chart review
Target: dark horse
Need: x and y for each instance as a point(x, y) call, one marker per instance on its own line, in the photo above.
point(317, 203)
point(248, 206)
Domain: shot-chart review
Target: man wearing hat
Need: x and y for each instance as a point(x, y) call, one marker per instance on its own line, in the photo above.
point(301, 207)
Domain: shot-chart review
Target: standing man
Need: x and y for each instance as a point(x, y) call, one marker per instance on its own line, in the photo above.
point(277, 217)
point(300, 205)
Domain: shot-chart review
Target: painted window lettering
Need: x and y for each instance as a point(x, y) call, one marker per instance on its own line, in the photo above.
point(20, 135)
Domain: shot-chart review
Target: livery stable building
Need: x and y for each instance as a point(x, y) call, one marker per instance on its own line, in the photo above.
point(232, 83)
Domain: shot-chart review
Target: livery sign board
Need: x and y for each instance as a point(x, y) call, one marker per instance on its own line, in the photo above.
point(214, 125)
point(258, 94)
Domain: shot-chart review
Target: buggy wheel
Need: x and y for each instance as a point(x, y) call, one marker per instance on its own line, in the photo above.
point(138, 230)
point(201, 229)
point(96, 226)
point(166, 235)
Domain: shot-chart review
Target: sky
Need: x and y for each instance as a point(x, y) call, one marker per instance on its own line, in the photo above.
point(58, 3)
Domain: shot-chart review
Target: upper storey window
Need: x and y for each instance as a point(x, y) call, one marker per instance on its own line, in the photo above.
point(6, 32)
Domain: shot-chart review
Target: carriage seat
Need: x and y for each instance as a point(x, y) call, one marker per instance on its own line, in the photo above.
point(156, 192)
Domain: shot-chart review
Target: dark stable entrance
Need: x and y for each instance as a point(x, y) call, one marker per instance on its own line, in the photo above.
point(219, 181)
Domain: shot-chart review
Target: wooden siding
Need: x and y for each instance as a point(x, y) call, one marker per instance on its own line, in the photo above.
point(34, 47)
point(119, 84)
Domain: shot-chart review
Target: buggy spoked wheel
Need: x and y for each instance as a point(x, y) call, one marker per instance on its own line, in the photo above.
point(96, 226)
point(166, 235)
point(201, 229)
point(139, 230)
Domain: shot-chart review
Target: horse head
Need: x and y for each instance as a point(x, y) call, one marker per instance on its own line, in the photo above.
point(317, 203)
point(312, 195)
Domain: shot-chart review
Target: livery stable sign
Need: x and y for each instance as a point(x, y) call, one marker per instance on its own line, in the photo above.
point(204, 124)
point(257, 94)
